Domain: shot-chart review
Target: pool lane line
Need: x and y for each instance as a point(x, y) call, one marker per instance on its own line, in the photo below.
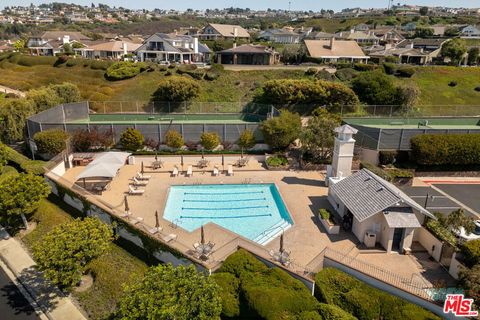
point(226, 217)
point(221, 193)
point(236, 200)
point(227, 209)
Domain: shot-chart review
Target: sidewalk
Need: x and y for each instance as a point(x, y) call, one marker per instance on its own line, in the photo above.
point(50, 299)
point(4, 89)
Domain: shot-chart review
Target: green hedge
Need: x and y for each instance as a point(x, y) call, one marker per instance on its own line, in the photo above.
point(23, 163)
point(446, 149)
point(124, 70)
point(332, 312)
point(363, 301)
point(229, 291)
point(471, 252)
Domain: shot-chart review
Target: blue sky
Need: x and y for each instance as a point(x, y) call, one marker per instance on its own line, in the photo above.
point(255, 4)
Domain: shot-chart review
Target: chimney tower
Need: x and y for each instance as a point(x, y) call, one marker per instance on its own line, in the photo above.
point(343, 151)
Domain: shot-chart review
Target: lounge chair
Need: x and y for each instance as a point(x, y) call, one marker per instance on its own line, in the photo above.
point(137, 220)
point(230, 170)
point(137, 182)
point(154, 230)
point(141, 176)
point(215, 171)
point(189, 171)
point(135, 191)
point(175, 172)
point(170, 237)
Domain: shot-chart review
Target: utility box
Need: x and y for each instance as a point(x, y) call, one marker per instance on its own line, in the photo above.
point(131, 160)
point(370, 239)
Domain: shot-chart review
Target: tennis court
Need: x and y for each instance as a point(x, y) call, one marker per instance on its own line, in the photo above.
point(417, 123)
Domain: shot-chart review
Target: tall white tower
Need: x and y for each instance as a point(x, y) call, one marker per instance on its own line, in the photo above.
point(343, 151)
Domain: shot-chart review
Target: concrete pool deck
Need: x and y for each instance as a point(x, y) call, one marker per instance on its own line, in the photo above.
point(303, 193)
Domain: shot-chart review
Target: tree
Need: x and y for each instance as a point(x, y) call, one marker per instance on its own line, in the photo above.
point(166, 292)
point(454, 49)
point(66, 250)
point(84, 140)
point(473, 56)
point(375, 88)
point(423, 32)
point(209, 140)
point(67, 92)
point(281, 131)
point(318, 137)
point(423, 11)
point(43, 98)
point(51, 141)
point(14, 114)
point(469, 280)
point(294, 53)
point(176, 89)
point(246, 140)
point(471, 252)
point(457, 219)
point(407, 96)
point(174, 139)
point(131, 139)
point(19, 45)
point(20, 196)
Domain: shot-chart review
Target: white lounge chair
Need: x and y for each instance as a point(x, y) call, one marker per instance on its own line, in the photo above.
point(141, 176)
point(135, 191)
point(154, 230)
point(175, 172)
point(137, 182)
point(170, 237)
point(137, 220)
point(189, 171)
point(215, 171)
point(230, 170)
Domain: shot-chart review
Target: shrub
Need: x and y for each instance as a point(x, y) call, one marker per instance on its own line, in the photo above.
point(387, 157)
point(324, 214)
point(471, 252)
point(446, 149)
point(325, 75)
point(364, 67)
point(376, 170)
point(452, 84)
point(277, 161)
point(73, 62)
point(311, 71)
point(246, 139)
point(67, 92)
point(184, 68)
point(407, 95)
point(242, 262)
point(100, 65)
point(439, 231)
point(229, 293)
point(30, 61)
point(281, 131)
point(346, 74)
point(162, 68)
point(174, 139)
point(211, 75)
point(124, 70)
point(176, 89)
point(406, 72)
point(392, 59)
point(396, 173)
point(389, 68)
point(131, 139)
point(84, 140)
point(209, 140)
point(375, 88)
point(216, 67)
point(51, 141)
point(477, 89)
point(332, 312)
point(43, 98)
point(469, 280)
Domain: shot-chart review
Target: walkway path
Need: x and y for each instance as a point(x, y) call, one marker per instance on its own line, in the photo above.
point(53, 303)
point(4, 89)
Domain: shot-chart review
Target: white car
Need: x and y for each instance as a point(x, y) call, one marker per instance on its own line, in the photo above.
point(471, 236)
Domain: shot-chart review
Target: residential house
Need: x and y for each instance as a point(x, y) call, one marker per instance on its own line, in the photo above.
point(470, 31)
point(285, 35)
point(428, 45)
point(358, 36)
point(363, 27)
point(50, 43)
point(373, 207)
point(248, 54)
point(215, 31)
point(406, 55)
point(388, 34)
point(112, 50)
point(162, 47)
point(319, 35)
point(335, 51)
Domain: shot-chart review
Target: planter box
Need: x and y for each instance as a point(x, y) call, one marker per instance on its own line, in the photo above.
point(331, 228)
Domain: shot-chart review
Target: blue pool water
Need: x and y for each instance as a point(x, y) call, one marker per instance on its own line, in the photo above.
point(255, 211)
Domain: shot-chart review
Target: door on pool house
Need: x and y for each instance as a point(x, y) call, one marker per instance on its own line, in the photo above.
point(398, 239)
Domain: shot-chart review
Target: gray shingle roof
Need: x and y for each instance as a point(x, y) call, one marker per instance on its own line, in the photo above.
point(366, 194)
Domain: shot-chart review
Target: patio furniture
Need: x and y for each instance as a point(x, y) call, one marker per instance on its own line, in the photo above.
point(242, 162)
point(215, 171)
point(141, 176)
point(189, 171)
point(154, 230)
point(139, 182)
point(137, 220)
point(170, 237)
point(157, 164)
point(230, 170)
point(133, 191)
point(175, 171)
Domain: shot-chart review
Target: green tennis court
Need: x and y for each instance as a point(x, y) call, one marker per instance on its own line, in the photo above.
point(417, 123)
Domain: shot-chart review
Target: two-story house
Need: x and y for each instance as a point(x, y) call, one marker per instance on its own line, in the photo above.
point(162, 47)
point(215, 31)
point(470, 31)
point(50, 43)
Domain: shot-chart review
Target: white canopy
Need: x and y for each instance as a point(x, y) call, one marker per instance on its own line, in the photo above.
point(105, 165)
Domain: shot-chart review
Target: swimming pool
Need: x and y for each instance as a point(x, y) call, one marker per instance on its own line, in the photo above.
point(255, 211)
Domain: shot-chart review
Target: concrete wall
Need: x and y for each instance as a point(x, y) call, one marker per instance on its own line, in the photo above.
point(430, 243)
point(408, 238)
point(455, 266)
point(374, 223)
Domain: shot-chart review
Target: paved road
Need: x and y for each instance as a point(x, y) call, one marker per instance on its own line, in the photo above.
point(465, 193)
point(4, 89)
point(13, 304)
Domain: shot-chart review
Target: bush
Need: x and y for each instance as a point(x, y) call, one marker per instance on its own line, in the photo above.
point(281, 131)
point(376, 170)
point(406, 72)
point(30, 61)
point(471, 252)
point(477, 89)
point(176, 89)
point(440, 232)
point(387, 157)
point(229, 292)
point(346, 74)
point(131, 139)
point(452, 84)
point(375, 88)
point(277, 161)
point(84, 140)
point(242, 262)
point(174, 139)
point(43, 98)
point(392, 59)
point(324, 214)
point(100, 65)
point(332, 312)
point(67, 92)
point(469, 280)
point(389, 68)
point(211, 75)
point(124, 70)
point(51, 141)
point(446, 149)
point(364, 67)
point(311, 71)
point(325, 75)
point(73, 62)
point(209, 140)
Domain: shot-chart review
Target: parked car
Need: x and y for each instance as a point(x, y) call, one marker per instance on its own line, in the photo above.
point(471, 236)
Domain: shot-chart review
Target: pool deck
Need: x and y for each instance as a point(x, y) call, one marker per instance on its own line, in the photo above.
point(303, 193)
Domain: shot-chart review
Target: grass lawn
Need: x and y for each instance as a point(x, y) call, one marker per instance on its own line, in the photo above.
point(110, 271)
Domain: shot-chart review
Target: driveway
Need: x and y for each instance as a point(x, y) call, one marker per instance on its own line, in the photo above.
point(464, 193)
point(13, 304)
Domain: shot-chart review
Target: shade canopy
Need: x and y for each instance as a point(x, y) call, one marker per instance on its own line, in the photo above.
point(105, 165)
